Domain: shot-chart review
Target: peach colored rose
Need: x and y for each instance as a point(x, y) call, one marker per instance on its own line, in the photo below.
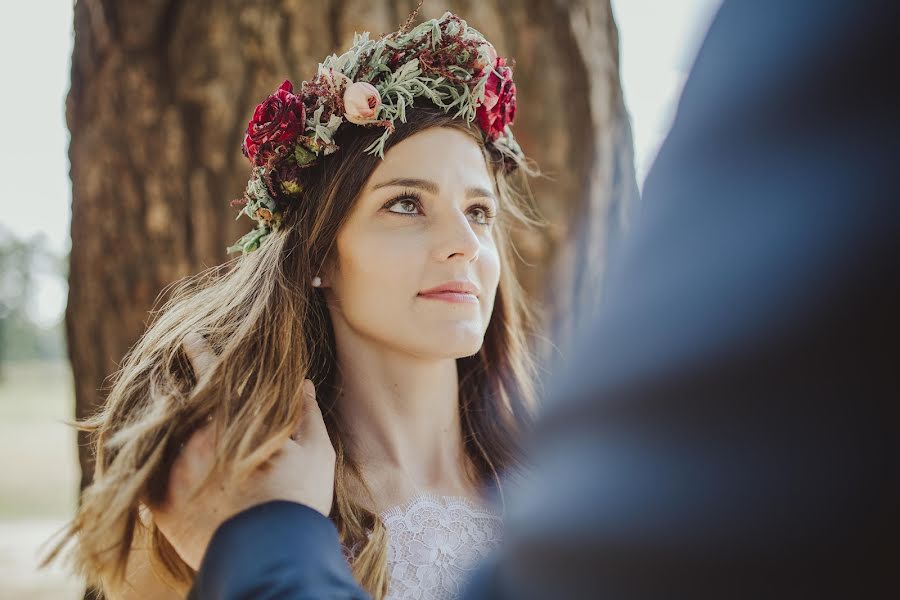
point(361, 102)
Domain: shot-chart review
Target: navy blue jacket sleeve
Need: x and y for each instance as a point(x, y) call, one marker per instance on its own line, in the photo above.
point(276, 550)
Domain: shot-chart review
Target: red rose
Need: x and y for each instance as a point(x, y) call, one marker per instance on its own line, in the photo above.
point(499, 107)
point(276, 122)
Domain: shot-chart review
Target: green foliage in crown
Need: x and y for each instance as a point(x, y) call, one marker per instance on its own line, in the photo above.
point(372, 84)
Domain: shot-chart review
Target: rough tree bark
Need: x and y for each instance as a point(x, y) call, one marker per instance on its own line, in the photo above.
point(162, 89)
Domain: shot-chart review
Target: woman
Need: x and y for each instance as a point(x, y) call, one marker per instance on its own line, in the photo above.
point(379, 269)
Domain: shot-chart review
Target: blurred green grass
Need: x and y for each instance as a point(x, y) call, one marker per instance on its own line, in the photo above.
point(38, 462)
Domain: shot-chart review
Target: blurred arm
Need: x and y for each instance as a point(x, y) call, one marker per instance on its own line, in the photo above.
point(279, 549)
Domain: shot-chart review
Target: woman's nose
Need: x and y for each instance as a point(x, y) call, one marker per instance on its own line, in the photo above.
point(457, 239)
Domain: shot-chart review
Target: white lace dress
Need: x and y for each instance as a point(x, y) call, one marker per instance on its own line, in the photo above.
point(434, 543)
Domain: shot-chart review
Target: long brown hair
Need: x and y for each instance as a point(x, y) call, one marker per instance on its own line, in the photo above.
point(271, 329)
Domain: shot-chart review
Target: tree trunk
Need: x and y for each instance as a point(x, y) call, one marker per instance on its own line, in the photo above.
point(161, 92)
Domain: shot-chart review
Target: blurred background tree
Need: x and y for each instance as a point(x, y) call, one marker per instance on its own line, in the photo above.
point(22, 335)
point(161, 93)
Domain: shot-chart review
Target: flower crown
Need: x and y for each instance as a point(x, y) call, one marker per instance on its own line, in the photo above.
point(444, 60)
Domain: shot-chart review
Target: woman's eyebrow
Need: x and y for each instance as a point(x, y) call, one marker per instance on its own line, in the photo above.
point(431, 187)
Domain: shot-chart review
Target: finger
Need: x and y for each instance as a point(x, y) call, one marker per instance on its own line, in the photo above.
point(206, 432)
point(199, 352)
point(309, 392)
point(204, 437)
point(195, 456)
point(311, 424)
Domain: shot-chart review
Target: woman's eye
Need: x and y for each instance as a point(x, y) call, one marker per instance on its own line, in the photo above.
point(481, 216)
point(484, 214)
point(408, 207)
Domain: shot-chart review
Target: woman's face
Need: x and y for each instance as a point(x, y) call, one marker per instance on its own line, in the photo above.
point(424, 218)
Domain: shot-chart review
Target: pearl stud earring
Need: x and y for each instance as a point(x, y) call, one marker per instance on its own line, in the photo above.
point(317, 281)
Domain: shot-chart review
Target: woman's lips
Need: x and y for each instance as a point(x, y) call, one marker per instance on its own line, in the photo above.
point(459, 297)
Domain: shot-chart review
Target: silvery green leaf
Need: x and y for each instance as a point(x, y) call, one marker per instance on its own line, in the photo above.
point(410, 69)
point(323, 133)
point(316, 118)
point(435, 34)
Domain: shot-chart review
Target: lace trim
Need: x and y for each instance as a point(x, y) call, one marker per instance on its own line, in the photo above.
point(434, 542)
point(400, 509)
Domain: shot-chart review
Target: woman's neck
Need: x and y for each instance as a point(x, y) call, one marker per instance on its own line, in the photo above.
point(401, 414)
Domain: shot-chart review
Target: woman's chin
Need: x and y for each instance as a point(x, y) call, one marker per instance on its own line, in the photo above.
point(459, 347)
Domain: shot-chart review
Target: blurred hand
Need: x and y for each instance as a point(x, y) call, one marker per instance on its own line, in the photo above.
point(301, 471)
